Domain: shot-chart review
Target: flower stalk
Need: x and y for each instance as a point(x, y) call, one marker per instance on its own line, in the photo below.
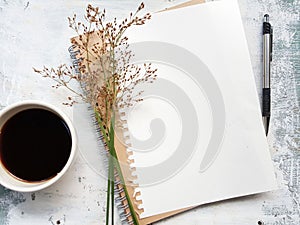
point(107, 80)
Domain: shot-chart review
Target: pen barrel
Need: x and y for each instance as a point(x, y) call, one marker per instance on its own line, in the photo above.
point(266, 60)
point(266, 102)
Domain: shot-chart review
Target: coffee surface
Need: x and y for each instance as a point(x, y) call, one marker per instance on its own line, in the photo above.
point(35, 145)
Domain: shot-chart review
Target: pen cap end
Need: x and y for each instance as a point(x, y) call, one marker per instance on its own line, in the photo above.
point(266, 18)
point(266, 25)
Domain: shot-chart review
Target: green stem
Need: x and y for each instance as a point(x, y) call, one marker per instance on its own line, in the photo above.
point(87, 47)
point(112, 195)
point(118, 168)
point(114, 164)
point(110, 184)
point(132, 211)
point(112, 170)
point(111, 191)
point(98, 118)
point(108, 194)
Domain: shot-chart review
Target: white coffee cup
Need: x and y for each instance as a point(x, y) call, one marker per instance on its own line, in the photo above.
point(6, 178)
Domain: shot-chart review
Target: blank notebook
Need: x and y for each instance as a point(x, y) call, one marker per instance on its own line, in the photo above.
point(197, 137)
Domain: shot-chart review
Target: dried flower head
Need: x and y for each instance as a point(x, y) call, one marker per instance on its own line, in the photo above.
point(107, 77)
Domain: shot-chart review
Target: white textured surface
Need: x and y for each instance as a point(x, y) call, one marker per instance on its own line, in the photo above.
point(35, 33)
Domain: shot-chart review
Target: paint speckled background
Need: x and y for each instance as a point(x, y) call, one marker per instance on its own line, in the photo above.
point(35, 33)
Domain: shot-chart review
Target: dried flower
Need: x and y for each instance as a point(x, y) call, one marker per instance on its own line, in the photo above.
point(107, 77)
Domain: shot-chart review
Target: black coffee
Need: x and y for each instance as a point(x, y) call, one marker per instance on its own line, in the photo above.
point(35, 145)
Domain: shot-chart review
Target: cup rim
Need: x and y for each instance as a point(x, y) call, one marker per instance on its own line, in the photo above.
point(45, 183)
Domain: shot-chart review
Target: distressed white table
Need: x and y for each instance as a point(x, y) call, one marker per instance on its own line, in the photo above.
point(35, 33)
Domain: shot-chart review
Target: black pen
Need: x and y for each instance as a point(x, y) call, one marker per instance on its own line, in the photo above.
point(267, 58)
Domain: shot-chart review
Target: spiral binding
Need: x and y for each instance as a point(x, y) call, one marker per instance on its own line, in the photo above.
point(74, 52)
point(120, 198)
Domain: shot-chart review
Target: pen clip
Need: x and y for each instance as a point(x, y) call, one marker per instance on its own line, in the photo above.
point(271, 43)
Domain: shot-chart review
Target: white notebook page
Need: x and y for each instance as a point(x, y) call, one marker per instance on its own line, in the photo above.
point(198, 135)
